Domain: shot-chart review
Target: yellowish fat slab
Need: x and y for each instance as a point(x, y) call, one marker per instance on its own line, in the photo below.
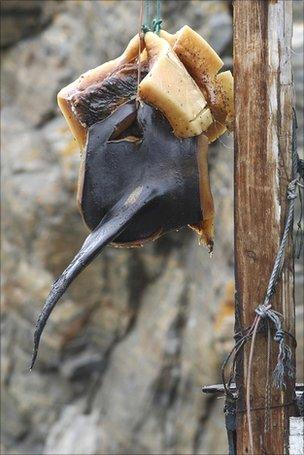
point(224, 106)
point(171, 39)
point(169, 87)
point(203, 63)
point(225, 89)
point(195, 53)
point(180, 64)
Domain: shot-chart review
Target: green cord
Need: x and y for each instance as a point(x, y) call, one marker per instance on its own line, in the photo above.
point(155, 24)
point(157, 21)
point(147, 16)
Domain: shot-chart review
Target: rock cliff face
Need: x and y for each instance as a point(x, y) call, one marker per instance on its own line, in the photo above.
point(127, 350)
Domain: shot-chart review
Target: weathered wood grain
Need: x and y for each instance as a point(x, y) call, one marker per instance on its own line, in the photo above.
point(263, 106)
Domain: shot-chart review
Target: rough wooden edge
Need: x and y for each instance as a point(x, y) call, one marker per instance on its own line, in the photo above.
point(263, 127)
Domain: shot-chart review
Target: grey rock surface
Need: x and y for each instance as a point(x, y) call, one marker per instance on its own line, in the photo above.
point(127, 349)
point(20, 19)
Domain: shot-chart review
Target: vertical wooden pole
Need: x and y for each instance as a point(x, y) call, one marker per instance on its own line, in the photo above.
point(263, 132)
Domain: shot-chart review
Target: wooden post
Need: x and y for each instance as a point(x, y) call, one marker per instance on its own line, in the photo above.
point(263, 132)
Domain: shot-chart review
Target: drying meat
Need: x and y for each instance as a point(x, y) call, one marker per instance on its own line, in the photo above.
point(139, 120)
point(136, 188)
point(99, 100)
point(169, 87)
point(93, 79)
point(203, 64)
point(179, 76)
point(171, 170)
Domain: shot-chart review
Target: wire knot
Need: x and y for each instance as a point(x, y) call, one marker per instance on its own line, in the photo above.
point(291, 190)
point(145, 28)
point(157, 25)
point(284, 362)
point(262, 310)
point(279, 335)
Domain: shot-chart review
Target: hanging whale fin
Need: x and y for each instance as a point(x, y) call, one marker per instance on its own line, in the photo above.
point(112, 224)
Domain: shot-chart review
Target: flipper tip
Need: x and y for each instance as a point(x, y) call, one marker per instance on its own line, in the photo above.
point(34, 357)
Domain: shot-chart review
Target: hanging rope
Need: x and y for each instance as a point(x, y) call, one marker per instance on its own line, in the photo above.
point(285, 364)
point(150, 24)
point(284, 367)
point(146, 26)
point(157, 21)
point(299, 241)
point(139, 47)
